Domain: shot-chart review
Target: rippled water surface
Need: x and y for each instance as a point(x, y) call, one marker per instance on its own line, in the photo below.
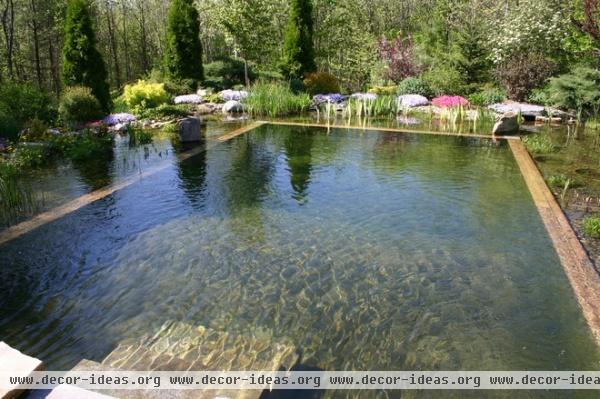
point(365, 250)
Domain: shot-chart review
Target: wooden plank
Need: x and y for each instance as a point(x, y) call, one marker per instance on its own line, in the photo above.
point(240, 131)
point(578, 267)
point(393, 130)
point(46, 217)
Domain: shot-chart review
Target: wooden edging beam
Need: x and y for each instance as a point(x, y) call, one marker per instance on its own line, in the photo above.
point(578, 267)
point(393, 130)
point(46, 217)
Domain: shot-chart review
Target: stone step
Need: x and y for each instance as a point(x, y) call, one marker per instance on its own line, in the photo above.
point(19, 364)
point(177, 345)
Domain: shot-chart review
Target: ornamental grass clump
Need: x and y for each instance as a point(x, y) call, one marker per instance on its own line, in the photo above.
point(275, 99)
point(591, 226)
point(365, 106)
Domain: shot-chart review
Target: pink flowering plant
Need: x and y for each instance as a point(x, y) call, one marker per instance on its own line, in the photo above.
point(450, 101)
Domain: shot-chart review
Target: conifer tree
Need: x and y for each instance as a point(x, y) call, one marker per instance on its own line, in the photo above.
point(82, 62)
point(298, 51)
point(183, 54)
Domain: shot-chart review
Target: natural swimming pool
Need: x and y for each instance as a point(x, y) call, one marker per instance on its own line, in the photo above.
point(364, 250)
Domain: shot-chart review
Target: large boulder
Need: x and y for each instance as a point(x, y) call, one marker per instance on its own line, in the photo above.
point(232, 106)
point(190, 130)
point(528, 111)
point(506, 124)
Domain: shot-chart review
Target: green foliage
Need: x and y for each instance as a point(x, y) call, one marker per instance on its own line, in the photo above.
point(20, 103)
point(35, 130)
point(539, 144)
point(579, 91)
point(214, 98)
point(82, 63)
point(88, 145)
point(17, 198)
point(31, 156)
point(541, 96)
point(487, 97)
point(591, 226)
point(183, 53)
point(78, 105)
point(225, 73)
point(166, 111)
point(384, 90)
point(144, 95)
point(445, 80)
point(381, 106)
point(321, 83)
point(558, 181)
point(275, 99)
point(298, 52)
point(414, 85)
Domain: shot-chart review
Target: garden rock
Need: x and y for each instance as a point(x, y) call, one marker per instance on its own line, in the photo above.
point(528, 111)
point(232, 106)
point(412, 100)
point(364, 96)
point(507, 124)
point(189, 130)
point(188, 99)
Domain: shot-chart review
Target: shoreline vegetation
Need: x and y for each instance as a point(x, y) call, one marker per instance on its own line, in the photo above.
point(75, 73)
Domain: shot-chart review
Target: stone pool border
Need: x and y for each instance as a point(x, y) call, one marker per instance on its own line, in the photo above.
point(578, 267)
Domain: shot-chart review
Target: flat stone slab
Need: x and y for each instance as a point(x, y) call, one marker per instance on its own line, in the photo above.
point(16, 362)
point(72, 392)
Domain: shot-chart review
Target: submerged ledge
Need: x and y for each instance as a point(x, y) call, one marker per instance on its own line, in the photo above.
point(578, 267)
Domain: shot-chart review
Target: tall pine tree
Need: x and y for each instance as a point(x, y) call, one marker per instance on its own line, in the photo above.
point(82, 62)
point(298, 51)
point(183, 55)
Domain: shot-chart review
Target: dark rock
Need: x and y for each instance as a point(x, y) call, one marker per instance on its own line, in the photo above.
point(190, 130)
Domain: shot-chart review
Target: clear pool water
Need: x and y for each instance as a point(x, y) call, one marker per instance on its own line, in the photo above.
point(365, 250)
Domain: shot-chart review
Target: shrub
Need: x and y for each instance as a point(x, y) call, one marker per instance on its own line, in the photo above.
point(321, 83)
point(275, 99)
point(399, 58)
point(31, 156)
point(591, 226)
point(143, 95)
point(487, 97)
point(445, 79)
point(78, 104)
point(540, 96)
point(226, 73)
point(35, 130)
point(522, 73)
point(166, 111)
point(579, 91)
point(383, 90)
point(539, 144)
point(20, 103)
point(414, 85)
point(90, 145)
point(214, 98)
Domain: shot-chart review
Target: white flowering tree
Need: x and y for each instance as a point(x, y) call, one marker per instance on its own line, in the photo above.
point(535, 26)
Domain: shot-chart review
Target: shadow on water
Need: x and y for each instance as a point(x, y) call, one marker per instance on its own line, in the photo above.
point(192, 176)
point(298, 150)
